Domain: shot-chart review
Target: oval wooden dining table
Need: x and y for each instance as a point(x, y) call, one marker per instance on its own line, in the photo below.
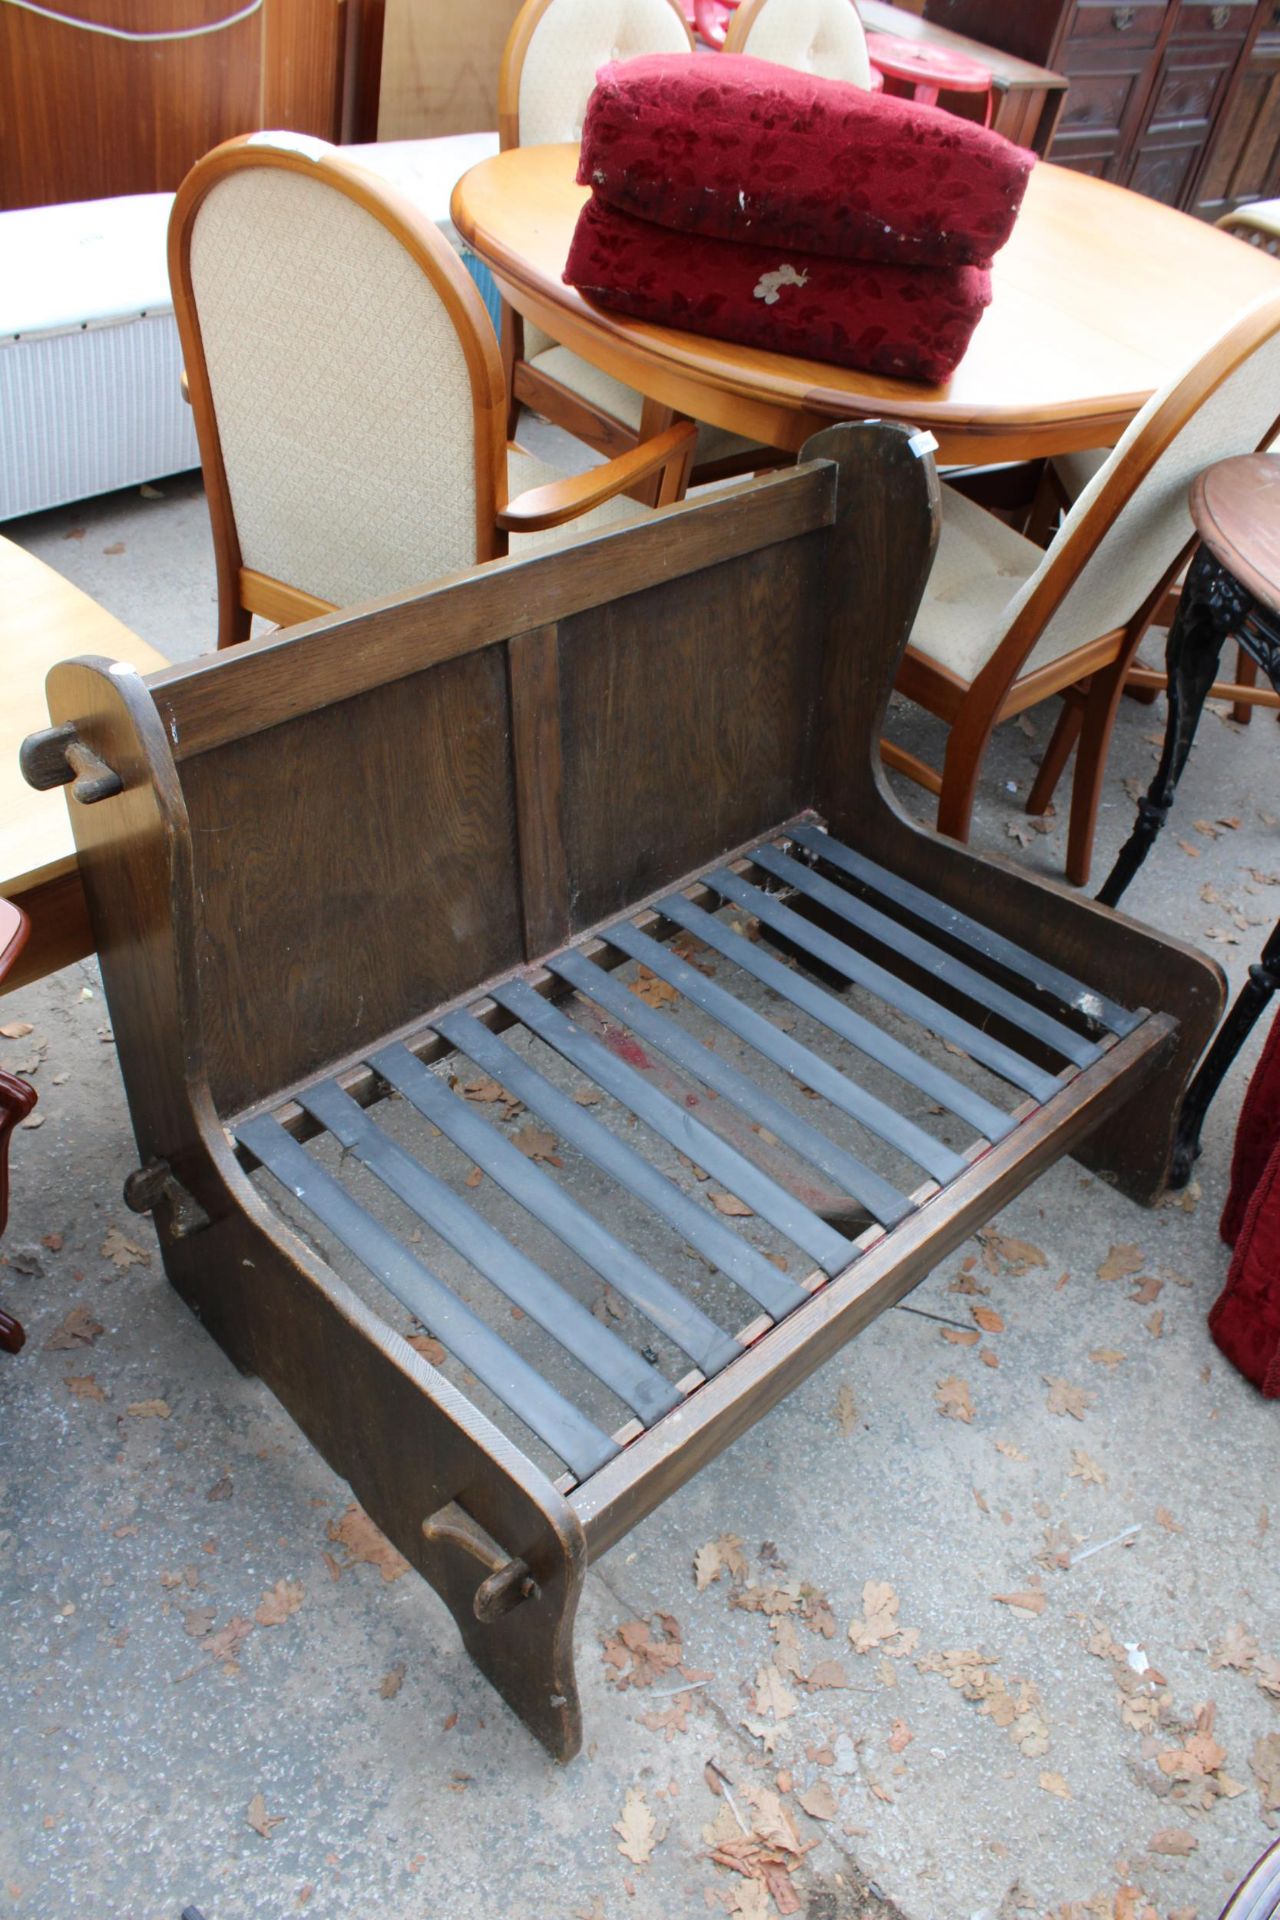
point(1100, 296)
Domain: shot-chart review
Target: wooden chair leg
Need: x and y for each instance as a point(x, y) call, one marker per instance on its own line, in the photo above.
point(1098, 723)
point(235, 623)
point(1246, 676)
point(1057, 753)
point(966, 745)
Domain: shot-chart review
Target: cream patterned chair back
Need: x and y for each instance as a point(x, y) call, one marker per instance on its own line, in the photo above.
point(347, 387)
point(813, 36)
point(1131, 521)
point(553, 53)
point(558, 46)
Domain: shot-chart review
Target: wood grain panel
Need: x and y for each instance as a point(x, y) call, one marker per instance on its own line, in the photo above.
point(352, 869)
point(691, 709)
point(440, 67)
point(84, 117)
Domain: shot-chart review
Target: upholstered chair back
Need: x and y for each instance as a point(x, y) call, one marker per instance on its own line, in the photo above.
point(570, 41)
point(813, 36)
point(344, 374)
point(1226, 403)
point(553, 53)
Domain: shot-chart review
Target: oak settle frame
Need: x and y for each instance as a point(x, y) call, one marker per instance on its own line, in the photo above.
point(552, 743)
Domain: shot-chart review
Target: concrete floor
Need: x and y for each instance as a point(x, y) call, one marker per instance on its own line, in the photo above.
point(181, 1728)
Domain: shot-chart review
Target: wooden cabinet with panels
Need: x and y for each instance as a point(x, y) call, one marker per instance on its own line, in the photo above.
point(1178, 100)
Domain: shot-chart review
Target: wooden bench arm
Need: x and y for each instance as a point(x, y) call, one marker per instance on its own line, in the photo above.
point(669, 453)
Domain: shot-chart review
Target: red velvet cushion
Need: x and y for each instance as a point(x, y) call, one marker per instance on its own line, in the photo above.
point(1257, 1132)
point(750, 151)
point(911, 321)
point(1245, 1318)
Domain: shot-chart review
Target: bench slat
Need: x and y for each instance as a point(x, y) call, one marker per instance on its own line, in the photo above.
point(679, 1128)
point(990, 1053)
point(702, 1229)
point(1094, 1006)
point(706, 1344)
point(953, 973)
point(801, 1062)
point(578, 1441)
point(525, 1283)
point(882, 1200)
point(934, 1082)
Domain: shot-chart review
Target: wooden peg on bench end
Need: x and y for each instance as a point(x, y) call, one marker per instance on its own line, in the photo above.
point(57, 756)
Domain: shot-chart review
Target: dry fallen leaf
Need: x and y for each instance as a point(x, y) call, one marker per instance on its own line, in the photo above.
point(1237, 1648)
point(1265, 1761)
point(846, 1410)
point(988, 1319)
point(827, 1673)
point(149, 1409)
point(1121, 1262)
point(1085, 1467)
point(724, 1555)
point(953, 1398)
point(1166, 1520)
point(78, 1329)
point(772, 1695)
point(636, 1658)
point(1055, 1784)
point(226, 1643)
point(819, 1802)
point(1000, 1250)
point(363, 1542)
point(537, 1144)
point(1174, 1840)
point(729, 1203)
point(259, 1819)
point(121, 1252)
point(879, 1626)
point(1007, 1448)
point(1106, 1357)
point(637, 1829)
point(900, 1737)
point(278, 1602)
point(1030, 1600)
point(16, 1029)
point(429, 1349)
point(1065, 1399)
point(960, 1336)
point(83, 1386)
point(653, 991)
point(391, 1681)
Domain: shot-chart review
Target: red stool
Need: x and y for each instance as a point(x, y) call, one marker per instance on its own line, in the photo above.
point(711, 18)
point(926, 71)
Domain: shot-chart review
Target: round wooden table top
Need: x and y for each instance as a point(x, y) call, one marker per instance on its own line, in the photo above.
point(1236, 509)
point(1100, 296)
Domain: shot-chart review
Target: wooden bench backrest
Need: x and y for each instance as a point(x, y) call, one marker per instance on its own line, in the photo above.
point(389, 806)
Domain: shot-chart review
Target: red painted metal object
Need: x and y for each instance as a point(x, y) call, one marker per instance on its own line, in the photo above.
point(927, 71)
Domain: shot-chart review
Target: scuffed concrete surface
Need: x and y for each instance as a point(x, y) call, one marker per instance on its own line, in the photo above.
point(400, 1785)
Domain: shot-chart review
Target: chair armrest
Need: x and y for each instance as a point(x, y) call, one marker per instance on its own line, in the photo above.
point(577, 493)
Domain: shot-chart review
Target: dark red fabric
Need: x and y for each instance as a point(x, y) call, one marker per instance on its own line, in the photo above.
point(1245, 1318)
point(749, 151)
point(915, 322)
point(1257, 1132)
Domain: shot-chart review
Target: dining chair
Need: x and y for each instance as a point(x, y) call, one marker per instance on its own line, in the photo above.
point(348, 393)
point(1004, 624)
point(549, 66)
point(825, 37)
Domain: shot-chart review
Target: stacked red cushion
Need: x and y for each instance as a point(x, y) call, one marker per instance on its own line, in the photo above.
point(735, 198)
point(746, 150)
point(914, 322)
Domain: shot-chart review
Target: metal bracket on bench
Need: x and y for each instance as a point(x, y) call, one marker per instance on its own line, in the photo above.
point(58, 756)
point(509, 1581)
point(148, 1186)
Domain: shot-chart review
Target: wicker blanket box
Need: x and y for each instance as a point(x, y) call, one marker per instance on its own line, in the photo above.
point(362, 888)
